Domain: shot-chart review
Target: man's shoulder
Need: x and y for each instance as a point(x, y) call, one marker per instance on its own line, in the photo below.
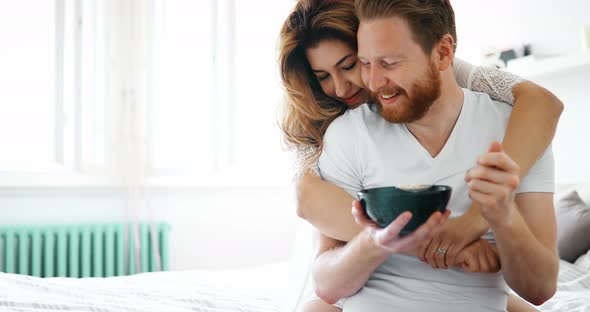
point(348, 122)
point(484, 106)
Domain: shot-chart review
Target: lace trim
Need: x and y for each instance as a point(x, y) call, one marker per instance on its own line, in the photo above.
point(497, 83)
point(300, 156)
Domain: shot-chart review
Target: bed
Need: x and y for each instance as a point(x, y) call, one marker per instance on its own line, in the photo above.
point(247, 290)
point(270, 287)
point(267, 288)
point(573, 290)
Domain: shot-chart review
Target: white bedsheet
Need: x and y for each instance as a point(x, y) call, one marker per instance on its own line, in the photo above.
point(263, 288)
point(573, 289)
point(248, 290)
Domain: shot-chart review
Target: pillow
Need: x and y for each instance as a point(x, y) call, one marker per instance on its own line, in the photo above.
point(584, 193)
point(572, 210)
point(583, 263)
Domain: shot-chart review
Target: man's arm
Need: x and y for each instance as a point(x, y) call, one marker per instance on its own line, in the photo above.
point(527, 247)
point(523, 224)
point(341, 270)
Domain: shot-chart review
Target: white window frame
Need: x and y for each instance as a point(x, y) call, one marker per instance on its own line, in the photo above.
point(130, 77)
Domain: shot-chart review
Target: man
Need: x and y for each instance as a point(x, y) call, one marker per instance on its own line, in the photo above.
point(425, 129)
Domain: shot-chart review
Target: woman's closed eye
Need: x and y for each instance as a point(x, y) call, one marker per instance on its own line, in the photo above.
point(349, 67)
point(323, 77)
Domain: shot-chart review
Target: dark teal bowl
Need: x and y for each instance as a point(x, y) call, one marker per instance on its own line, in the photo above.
point(384, 204)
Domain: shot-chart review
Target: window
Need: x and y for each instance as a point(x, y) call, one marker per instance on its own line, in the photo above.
point(184, 99)
point(28, 119)
point(173, 88)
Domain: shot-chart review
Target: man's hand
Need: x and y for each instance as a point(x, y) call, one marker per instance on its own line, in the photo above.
point(452, 237)
point(492, 185)
point(480, 256)
point(388, 238)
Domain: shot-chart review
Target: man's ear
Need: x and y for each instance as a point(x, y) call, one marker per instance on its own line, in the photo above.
point(445, 52)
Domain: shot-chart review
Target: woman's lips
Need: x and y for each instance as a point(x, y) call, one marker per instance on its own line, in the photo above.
point(353, 99)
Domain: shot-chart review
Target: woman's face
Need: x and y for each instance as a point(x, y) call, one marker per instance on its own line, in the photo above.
point(338, 71)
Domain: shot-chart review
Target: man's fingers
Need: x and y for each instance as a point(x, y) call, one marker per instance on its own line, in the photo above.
point(486, 187)
point(451, 254)
point(485, 200)
point(495, 146)
point(423, 249)
point(439, 257)
point(499, 160)
point(421, 234)
point(429, 252)
point(391, 232)
point(492, 175)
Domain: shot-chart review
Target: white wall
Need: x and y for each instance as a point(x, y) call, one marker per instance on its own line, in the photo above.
point(211, 227)
point(571, 145)
point(552, 27)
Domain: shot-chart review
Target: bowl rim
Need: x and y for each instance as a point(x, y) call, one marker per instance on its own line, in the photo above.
point(434, 188)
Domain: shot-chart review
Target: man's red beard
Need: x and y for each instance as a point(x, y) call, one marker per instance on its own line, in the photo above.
point(425, 91)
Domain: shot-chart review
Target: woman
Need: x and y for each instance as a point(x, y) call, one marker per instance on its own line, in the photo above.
point(323, 80)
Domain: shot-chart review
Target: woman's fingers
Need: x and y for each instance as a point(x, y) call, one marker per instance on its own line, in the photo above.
point(484, 265)
point(360, 217)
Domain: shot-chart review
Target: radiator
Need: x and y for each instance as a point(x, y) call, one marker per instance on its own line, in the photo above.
point(87, 250)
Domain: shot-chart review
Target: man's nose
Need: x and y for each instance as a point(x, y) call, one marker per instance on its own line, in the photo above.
point(377, 79)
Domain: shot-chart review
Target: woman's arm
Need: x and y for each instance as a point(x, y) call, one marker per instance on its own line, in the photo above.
point(531, 129)
point(532, 124)
point(341, 269)
point(534, 116)
point(326, 207)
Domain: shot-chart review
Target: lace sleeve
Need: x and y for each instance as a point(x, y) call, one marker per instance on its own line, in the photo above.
point(496, 83)
point(463, 73)
point(301, 164)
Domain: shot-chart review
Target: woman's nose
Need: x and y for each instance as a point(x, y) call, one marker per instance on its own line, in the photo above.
point(342, 86)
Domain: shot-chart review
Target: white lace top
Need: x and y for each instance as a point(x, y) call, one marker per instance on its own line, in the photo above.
point(498, 84)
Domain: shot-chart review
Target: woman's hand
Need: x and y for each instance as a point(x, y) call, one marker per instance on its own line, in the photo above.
point(451, 238)
point(479, 256)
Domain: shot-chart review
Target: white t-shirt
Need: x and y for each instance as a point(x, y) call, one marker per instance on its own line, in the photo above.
point(362, 150)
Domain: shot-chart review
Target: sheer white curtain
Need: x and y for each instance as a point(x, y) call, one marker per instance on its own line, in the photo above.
point(130, 43)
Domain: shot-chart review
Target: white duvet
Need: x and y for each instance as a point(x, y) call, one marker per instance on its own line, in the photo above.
point(573, 288)
point(257, 289)
point(261, 289)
